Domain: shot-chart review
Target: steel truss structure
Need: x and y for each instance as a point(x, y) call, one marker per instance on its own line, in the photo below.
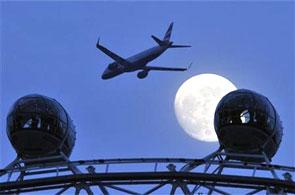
point(217, 173)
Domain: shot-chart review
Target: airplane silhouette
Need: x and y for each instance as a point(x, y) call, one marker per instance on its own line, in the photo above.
point(140, 60)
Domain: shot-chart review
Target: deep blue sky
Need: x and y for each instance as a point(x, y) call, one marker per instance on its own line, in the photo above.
point(49, 48)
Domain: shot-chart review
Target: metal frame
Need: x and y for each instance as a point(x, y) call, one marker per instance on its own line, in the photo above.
point(216, 173)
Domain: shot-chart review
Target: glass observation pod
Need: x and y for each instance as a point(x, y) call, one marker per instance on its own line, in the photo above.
point(38, 126)
point(246, 122)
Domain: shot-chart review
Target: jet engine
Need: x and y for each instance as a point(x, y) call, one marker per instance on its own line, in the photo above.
point(142, 74)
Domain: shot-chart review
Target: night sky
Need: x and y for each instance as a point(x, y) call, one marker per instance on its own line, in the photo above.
point(49, 48)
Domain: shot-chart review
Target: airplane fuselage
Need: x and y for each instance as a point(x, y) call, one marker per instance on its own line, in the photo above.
point(137, 62)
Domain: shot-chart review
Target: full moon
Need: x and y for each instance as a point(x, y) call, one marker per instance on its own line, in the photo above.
point(195, 104)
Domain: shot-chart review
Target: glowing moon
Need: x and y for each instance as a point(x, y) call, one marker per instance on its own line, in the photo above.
point(195, 104)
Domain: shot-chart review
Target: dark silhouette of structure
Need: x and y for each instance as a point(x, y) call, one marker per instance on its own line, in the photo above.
point(36, 119)
point(247, 123)
point(38, 126)
point(140, 60)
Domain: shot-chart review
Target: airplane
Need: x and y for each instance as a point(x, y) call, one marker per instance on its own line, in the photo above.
point(140, 60)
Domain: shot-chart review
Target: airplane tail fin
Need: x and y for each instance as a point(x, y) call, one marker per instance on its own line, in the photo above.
point(166, 39)
point(168, 33)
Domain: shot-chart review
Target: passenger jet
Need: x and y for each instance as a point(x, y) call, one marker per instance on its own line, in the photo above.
point(140, 60)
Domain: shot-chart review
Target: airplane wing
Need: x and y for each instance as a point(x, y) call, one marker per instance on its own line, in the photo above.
point(166, 68)
point(112, 55)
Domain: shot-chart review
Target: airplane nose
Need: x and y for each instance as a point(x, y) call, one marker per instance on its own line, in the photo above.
point(105, 74)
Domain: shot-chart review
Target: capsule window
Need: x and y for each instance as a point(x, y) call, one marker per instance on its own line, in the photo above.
point(47, 124)
point(32, 122)
point(260, 119)
point(270, 123)
point(245, 116)
point(59, 129)
point(27, 124)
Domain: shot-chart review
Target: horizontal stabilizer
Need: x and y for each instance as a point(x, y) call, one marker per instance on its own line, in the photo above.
point(160, 42)
point(179, 46)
